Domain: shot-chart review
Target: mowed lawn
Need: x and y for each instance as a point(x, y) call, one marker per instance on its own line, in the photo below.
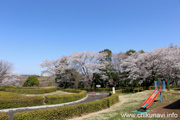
point(128, 103)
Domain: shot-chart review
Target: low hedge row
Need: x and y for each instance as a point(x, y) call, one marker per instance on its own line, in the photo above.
point(13, 100)
point(71, 90)
point(151, 87)
point(2, 88)
point(174, 87)
point(125, 89)
point(65, 112)
point(98, 89)
point(31, 90)
point(4, 116)
point(57, 99)
point(128, 89)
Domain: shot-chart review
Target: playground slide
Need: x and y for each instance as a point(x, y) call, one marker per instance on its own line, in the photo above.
point(151, 99)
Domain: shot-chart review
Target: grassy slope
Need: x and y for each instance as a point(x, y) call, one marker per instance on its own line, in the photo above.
point(127, 104)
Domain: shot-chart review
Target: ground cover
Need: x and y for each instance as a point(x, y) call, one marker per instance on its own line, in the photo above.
point(128, 103)
point(13, 100)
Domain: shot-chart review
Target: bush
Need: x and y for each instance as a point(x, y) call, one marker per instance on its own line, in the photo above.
point(138, 89)
point(31, 81)
point(4, 116)
point(98, 89)
point(151, 87)
point(31, 90)
point(171, 87)
point(13, 100)
point(66, 112)
point(71, 90)
point(119, 91)
point(57, 99)
point(2, 88)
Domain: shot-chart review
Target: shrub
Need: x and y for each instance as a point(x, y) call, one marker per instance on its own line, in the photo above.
point(119, 91)
point(138, 89)
point(31, 90)
point(71, 90)
point(13, 100)
point(66, 112)
point(151, 87)
point(2, 88)
point(31, 81)
point(98, 89)
point(4, 116)
point(57, 99)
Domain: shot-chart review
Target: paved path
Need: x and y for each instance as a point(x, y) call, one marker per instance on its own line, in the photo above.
point(96, 96)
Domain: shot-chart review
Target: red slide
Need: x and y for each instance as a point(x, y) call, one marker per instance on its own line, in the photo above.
point(148, 98)
point(153, 99)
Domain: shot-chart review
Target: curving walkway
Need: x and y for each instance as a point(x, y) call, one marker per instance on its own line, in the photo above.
point(88, 98)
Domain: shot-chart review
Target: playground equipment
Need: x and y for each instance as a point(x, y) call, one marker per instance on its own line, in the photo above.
point(159, 87)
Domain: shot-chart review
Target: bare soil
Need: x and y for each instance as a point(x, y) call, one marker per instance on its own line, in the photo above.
point(170, 109)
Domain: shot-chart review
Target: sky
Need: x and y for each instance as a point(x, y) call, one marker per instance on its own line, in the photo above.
point(32, 31)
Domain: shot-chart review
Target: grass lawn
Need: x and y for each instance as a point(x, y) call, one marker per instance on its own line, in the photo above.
point(128, 103)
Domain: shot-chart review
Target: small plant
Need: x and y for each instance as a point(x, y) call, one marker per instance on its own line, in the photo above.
point(31, 81)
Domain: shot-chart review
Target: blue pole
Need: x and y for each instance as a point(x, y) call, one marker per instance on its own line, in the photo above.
point(160, 97)
point(164, 85)
point(168, 83)
point(155, 84)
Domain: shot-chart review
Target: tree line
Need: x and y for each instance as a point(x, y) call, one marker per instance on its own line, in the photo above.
point(130, 68)
point(88, 69)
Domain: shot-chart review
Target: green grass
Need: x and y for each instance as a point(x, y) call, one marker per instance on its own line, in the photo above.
point(134, 101)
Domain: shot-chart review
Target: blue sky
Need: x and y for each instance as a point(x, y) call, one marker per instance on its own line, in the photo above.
point(34, 30)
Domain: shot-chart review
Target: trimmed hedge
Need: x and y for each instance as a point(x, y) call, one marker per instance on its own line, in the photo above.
point(138, 89)
point(31, 90)
point(98, 89)
point(66, 112)
point(13, 100)
point(4, 116)
point(151, 87)
point(71, 90)
point(171, 87)
point(2, 88)
point(57, 99)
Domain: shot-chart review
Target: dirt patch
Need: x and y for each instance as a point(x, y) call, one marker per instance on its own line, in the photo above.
point(170, 110)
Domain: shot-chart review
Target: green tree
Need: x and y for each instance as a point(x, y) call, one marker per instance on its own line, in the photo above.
point(31, 81)
point(129, 52)
point(141, 51)
point(109, 54)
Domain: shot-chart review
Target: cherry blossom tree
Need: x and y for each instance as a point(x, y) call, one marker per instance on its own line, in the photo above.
point(5, 69)
point(58, 68)
point(6, 76)
point(88, 63)
point(11, 80)
point(85, 63)
point(150, 65)
point(54, 67)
